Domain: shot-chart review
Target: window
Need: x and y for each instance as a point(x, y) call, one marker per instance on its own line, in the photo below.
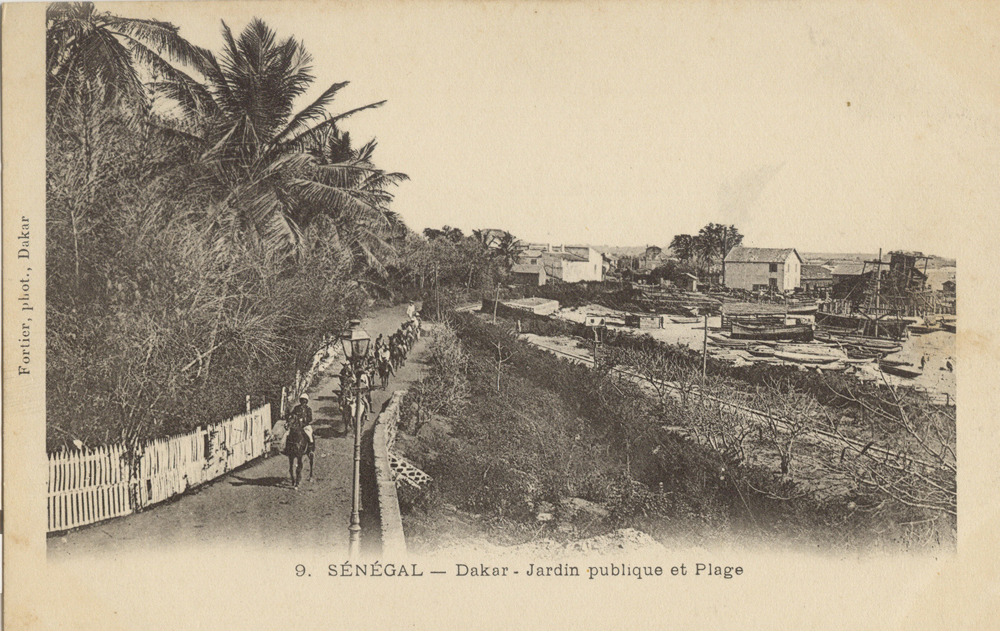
point(774, 267)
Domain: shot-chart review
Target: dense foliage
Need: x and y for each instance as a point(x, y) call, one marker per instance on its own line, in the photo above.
point(203, 240)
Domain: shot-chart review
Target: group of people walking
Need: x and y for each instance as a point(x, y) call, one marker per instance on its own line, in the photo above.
point(384, 358)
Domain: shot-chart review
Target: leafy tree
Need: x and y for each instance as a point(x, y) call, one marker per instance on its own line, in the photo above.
point(454, 235)
point(716, 240)
point(684, 247)
point(712, 243)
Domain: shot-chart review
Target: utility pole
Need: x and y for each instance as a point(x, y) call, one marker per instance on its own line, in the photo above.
point(704, 354)
point(495, 302)
point(878, 289)
point(725, 241)
point(594, 329)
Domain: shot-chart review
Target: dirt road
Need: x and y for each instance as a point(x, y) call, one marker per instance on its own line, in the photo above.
point(256, 505)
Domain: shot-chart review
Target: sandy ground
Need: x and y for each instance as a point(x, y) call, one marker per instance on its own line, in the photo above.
point(256, 505)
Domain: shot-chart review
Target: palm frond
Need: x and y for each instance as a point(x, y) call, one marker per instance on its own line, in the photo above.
point(300, 140)
point(316, 110)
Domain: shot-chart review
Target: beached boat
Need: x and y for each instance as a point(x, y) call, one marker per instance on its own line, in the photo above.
point(893, 363)
point(760, 350)
point(680, 320)
point(801, 332)
point(922, 330)
point(857, 352)
point(805, 358)
point(871, 343)
point(860, 324)
point(805, 308)
point(858, 361)
point(948, 326)
point(811, 349)
point(899, 371)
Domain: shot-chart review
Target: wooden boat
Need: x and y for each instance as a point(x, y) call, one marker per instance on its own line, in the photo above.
point(856, 352)
point(802, 308)
point(803, 358)
point(680, 320)
point(893, 363)
point(948, 326)
point(802, 332)
point(859, 361)
point(834, 367)
point(921, 330)
point(871, 342)
point(899, 371)
point(810, 349)
point(730, 343)
point(862, 325)
point(760, 350)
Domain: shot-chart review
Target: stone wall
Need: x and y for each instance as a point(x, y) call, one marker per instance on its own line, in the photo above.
point(393, 540)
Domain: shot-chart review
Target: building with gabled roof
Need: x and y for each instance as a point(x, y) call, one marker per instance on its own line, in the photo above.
point(768, 269)
point(568, 263)
point(522, 274)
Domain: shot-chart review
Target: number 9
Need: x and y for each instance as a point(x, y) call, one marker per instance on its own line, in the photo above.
point(300, 570)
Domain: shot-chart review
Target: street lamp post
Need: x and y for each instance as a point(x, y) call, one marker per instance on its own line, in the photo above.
point(355, 342)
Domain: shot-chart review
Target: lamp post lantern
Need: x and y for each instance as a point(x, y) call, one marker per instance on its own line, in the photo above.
point(355, 342)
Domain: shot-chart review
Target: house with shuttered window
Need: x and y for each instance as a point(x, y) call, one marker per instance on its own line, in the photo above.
point(756, 269)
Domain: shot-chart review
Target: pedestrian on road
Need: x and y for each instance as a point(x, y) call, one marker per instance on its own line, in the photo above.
point(365, 382)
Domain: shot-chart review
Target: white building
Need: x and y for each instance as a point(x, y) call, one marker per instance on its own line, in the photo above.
point(777, 269)
point(568, 263)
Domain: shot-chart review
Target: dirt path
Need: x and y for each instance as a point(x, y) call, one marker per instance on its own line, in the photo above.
point(256, 505)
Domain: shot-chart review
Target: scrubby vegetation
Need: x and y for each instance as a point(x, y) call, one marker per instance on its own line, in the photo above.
point(571, 451)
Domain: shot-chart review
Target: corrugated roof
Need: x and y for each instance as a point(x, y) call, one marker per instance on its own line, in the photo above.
point(815, 272)
point(848, 269)
point(760, 255)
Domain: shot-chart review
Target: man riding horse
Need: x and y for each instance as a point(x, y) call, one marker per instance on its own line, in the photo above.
point(299, 440)
point(302, 415)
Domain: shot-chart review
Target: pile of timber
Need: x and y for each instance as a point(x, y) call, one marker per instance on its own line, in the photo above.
point(681, 303)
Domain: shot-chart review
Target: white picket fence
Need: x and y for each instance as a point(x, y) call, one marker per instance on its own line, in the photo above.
point(93, 485)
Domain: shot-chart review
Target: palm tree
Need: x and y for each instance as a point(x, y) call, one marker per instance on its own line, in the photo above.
point(509, 249)
point(344, 185)
point(485, 238)
point(98, 56)
point(277, 170)
point(684, 247)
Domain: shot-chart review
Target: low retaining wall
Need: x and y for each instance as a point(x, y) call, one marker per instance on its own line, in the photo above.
point(393, 540)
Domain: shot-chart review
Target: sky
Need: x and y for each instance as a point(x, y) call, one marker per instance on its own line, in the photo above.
point(824, 127)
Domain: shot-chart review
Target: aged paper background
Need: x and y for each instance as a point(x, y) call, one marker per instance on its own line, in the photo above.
point(236, 587)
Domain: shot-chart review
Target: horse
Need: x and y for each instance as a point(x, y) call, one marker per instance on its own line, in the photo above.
point(298, 445)
point(348, 409)
point(384, 370)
